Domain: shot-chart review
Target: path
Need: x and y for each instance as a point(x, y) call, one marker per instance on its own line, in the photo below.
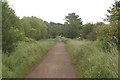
point(56, 64)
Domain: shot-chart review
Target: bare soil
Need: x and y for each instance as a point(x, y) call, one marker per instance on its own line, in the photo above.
point(56, 64)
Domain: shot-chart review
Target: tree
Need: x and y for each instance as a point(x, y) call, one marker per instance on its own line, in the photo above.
point(114, 28)
point(108, 35)
point(86, 30)
point(99, 24)
point(54, 29)
point(10, 28)
point(34, 28)
point(114, 12)
point(72, 25)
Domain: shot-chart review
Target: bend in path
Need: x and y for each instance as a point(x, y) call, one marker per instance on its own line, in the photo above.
point(56, 64)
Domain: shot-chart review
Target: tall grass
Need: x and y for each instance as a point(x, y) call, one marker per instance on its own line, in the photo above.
point(18, 64)
point(0, 64)
point(91, 61)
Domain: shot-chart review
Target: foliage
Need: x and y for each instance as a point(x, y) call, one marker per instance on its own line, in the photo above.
point(25, 56)
point(114, 12)
point(90, 58)
point(91, 61)
point(54, 29)
point(88, 32)
point(114, 18)
point(72, 26)
point(34, 28)
point(10, 28)
point(108, 34)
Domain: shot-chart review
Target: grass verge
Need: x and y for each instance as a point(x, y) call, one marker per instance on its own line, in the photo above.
point(18, 64)
point(91, 61)
point(0, 64)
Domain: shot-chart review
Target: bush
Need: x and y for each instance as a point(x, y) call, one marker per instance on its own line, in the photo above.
point(91, 61)
point(34, 28)
point(108, 34)
point(19, 63)
point(10, 39)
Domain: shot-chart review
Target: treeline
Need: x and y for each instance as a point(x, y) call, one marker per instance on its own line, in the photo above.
point(15, 29)
point(108, 34)
point(32, 28)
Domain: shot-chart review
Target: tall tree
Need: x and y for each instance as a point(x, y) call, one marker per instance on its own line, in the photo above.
point(73, 25)
point(110, 33)
point(10, 28)
point(114, 18)
point(114, 12)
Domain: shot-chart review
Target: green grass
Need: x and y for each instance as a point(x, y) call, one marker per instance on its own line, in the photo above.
point(0, 64)
point(27, 54)
point(91, 61)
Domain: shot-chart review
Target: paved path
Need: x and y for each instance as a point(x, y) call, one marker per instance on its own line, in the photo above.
point(56, 64)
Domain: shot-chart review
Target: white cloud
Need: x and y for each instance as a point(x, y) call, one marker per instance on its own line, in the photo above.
point(55, 10)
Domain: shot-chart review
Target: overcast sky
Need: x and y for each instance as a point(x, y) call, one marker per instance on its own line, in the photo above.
point(56, 10)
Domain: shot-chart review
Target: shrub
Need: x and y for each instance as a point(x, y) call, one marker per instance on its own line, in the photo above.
point(91, 61)
point(19, 63)
point(108, 34)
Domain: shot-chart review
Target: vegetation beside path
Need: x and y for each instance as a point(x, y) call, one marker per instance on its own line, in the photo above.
point(26, 40)
point(19, 63)
point(91, 61)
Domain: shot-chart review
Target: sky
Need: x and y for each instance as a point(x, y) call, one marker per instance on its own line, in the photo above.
point(56, 10)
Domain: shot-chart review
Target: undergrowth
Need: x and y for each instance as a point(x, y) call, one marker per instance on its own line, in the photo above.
point(19, 63)
point(91, 61)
